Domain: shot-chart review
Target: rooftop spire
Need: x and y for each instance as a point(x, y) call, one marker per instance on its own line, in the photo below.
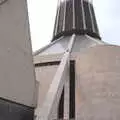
point(75, 16)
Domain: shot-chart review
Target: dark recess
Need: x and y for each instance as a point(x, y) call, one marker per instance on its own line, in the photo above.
point(61, 106)
point(69, 15)
point(10, 110)
point(47, 64)
point(78, 15)
point(88, 20)
point(72, 90)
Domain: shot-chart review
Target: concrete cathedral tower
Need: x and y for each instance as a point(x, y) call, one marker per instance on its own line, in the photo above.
point(78, 74)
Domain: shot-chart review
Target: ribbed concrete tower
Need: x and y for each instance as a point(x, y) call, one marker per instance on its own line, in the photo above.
point(75, 16)
point(77, 73)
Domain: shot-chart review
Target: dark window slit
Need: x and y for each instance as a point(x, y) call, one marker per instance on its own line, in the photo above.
point(61, 106)
point(72, 90)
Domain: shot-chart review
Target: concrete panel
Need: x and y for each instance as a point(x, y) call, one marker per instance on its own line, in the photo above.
point(17, 80)
point(47, 58)
point(98, 84)
point(44, 76)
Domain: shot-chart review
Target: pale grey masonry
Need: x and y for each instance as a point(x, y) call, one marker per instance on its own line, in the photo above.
point(98, 83)
point(17, 79)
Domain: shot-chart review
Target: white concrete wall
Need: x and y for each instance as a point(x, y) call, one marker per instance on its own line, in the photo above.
point(17, 80)
point(44, 76)
point(98, 83)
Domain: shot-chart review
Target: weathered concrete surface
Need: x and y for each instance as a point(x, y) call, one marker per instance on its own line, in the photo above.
point(44, 76)
point(98, 84)
point(47, 58)
point(17, 78)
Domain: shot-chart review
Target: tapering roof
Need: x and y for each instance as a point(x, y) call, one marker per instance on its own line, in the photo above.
point(75, 16)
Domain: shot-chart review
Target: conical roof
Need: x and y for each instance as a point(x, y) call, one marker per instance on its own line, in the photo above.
point(73, 17)
point(59, 46)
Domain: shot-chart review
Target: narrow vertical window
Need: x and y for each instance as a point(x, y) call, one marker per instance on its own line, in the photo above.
point(72, 90)
point(61, 106)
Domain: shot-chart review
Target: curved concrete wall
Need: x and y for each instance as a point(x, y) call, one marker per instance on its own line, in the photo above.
point(98, 83)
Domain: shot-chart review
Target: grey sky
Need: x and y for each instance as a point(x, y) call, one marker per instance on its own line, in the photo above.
point(42, 20)
point(108, 19)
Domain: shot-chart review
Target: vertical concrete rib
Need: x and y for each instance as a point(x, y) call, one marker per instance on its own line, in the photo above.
point(74, 14)
point(57, 17)
point(61, 16)
point(94, 19)
point(83, 14)
point(78, 15)
point(93, 27)
point(87, 15)
point(64, 18)
point(69, 15)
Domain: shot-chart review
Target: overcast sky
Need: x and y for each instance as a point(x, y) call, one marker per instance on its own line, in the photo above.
point(42, 17)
